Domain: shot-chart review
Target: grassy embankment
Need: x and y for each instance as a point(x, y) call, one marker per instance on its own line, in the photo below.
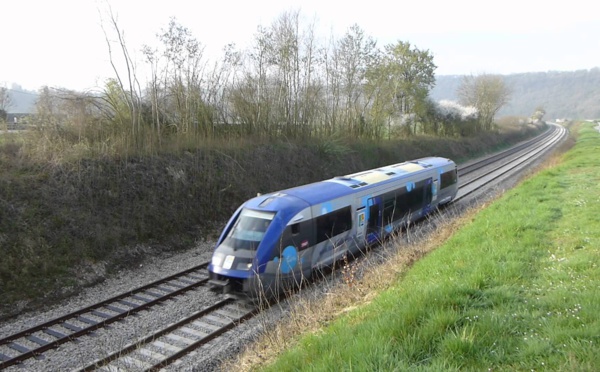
point(69, 220)
point(516, 288)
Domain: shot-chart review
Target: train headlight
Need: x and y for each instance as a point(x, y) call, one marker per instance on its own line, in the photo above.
point(217, 259)
point(228, 262)
point(245, 266)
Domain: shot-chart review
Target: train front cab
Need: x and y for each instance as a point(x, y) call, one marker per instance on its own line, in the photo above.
point(448, 183)
point(233, 260)
point(264, 248)
point(306, 244)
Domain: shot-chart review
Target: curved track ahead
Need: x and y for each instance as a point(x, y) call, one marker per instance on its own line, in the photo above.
point(507, 162)
point(167, 345)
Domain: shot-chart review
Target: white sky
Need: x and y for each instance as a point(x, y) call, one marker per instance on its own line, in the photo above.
point(60, 43)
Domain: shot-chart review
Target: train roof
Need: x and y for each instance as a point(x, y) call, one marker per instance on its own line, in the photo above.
point(394, 171)
point(299, 197)
point(323, 191)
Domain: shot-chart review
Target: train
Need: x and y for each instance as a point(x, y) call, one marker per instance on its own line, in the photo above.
point(274, 242)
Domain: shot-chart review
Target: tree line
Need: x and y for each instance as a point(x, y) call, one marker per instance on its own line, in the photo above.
point(288, 83)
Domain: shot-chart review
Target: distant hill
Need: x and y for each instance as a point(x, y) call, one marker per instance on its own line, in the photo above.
point(573, 95)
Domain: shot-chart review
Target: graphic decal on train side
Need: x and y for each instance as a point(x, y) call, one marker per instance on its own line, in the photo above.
point(326, 208)
point(364, 203)
point(361, 219)
point(289, 259)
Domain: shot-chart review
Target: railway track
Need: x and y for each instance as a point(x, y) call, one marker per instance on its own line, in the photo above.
point(34, 341)
point(511, 161)
point(176, 340)
point(168, 345)
point(503, 155)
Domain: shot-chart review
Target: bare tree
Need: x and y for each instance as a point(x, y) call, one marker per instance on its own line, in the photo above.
point(280, 92)
point(47, 109)
point(346, 68)
point(487, 93)
point(286, 54)
point(184, 78)
point(5, 99)
point(129, 90)
point(220, 81)
point(5, 103)
point(155, 90)
point(251, 95)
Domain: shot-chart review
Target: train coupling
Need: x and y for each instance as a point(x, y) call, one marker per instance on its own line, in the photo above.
point(224, 286)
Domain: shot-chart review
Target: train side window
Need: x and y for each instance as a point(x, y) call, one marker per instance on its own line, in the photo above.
point(428, 192)
point(373, 216)
point(416, 196)
point(333, 223)
point(389, 209)
point(402, 201)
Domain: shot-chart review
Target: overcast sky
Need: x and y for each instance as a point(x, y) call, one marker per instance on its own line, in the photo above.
point(60, 43)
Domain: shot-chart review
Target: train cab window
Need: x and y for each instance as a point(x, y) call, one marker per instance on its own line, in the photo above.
point(249, 230)
point(300, 235)
point(448, 178)
point(295, 229)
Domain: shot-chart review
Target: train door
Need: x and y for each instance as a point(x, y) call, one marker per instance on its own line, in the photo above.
point(434, 190)
point(361, 223)
point(374, 220)
point(294, 247)
point(428, 195)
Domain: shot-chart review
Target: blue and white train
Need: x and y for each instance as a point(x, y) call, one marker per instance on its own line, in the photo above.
point(274, 241)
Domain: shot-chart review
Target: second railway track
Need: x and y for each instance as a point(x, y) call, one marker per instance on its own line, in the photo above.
point(34, 341)
point(167, 345)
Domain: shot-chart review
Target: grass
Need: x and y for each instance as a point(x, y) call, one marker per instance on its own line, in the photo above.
point(515, 288)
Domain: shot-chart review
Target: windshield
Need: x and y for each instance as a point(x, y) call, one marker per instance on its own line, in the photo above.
point(249, 229)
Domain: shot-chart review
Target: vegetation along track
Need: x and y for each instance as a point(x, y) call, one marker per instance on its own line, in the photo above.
point(167, 345)
point(68, 327)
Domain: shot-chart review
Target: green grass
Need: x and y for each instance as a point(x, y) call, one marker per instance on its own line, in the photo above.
point(517, 289)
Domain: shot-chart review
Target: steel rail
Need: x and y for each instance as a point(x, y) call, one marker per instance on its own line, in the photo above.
point(503, 169)
point(168, 352)
point(115, 304)
point(471, 167)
